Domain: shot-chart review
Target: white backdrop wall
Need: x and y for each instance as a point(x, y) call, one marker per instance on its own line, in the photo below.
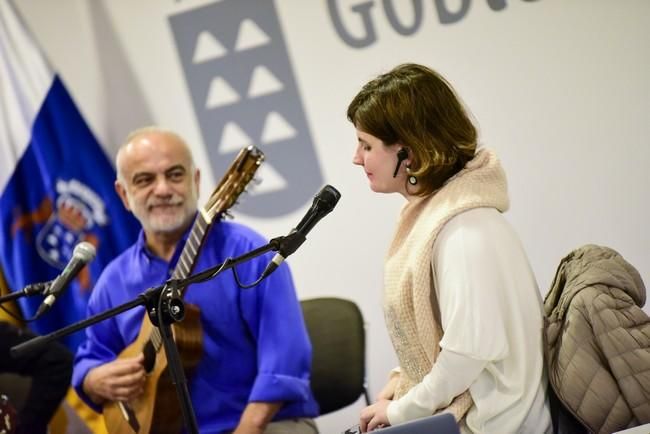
point(559, 89)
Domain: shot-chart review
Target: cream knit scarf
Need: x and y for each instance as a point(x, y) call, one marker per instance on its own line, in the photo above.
point(410, 302)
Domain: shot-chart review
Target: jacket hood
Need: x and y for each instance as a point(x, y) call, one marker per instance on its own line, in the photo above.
point(592, 265)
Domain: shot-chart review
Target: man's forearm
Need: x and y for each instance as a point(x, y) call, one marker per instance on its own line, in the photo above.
point(256, 417)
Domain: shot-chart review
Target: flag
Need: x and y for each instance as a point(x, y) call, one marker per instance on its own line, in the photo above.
point(56, 190)
point(56, 182)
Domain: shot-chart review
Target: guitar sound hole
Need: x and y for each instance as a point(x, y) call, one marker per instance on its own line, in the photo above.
point(149, 356)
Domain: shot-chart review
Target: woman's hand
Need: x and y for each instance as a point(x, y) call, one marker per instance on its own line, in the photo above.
point(374, 416)
point(389, 389)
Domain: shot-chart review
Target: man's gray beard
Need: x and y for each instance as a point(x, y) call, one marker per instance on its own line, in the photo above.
point(181, 222)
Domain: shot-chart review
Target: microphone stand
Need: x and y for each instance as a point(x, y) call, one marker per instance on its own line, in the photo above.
point(28, 291)
point(164, 307)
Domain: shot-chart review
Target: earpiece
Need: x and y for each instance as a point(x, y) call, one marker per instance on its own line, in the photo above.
point(402, 155)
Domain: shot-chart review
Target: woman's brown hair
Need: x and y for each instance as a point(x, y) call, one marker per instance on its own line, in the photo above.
point(416, 107)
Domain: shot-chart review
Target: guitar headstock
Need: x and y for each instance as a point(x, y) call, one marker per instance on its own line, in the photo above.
point(234, 182)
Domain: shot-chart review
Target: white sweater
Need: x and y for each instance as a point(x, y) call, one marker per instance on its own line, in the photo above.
point(492, 320)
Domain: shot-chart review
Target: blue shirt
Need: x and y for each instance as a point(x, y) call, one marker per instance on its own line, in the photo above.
point(255, 343)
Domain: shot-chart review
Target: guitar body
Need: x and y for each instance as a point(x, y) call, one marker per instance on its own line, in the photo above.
point(157, 409)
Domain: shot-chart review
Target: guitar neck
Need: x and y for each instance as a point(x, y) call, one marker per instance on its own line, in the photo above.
point(195, 239)
point(185, 263)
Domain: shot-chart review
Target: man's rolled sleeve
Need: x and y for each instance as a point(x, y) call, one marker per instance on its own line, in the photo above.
point(283, 347)
point(279, 388)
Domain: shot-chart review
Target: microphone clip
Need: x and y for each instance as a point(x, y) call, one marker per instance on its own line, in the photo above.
point(172, 307)
point(288, 244)
point(37, 288)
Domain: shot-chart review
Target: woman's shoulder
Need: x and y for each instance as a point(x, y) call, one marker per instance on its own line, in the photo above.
point(480, 234)
point(476, 224)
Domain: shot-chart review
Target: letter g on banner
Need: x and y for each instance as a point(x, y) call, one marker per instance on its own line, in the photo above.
point(243, 91)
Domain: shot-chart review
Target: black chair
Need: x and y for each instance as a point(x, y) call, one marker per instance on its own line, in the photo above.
point(338, 337)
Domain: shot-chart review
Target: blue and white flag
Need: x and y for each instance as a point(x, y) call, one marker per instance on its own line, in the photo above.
point(56, 182)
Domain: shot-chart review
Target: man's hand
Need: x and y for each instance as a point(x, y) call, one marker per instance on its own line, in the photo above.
point(119, 380)
point(256, 416)
point(374, 416)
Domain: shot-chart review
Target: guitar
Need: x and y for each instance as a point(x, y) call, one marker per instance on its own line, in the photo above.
point(157, 409)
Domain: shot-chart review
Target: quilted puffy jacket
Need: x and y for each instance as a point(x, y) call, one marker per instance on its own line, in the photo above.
point(597, 340)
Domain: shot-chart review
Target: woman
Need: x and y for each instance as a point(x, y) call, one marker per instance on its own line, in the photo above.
point(460, 300)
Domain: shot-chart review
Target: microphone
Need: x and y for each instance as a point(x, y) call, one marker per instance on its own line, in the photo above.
point(324, 202)
point(82, 254)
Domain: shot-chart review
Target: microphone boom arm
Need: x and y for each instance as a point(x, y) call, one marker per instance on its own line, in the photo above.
point(146, 298)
